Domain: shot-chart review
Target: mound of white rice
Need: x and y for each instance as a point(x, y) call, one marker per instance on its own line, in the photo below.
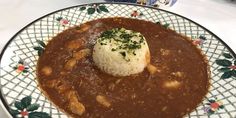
point(121, 52)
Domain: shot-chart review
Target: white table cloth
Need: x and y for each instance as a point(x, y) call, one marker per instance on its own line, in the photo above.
point(216, 15)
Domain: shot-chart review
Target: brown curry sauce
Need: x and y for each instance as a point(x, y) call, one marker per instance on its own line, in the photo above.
point(179, 85)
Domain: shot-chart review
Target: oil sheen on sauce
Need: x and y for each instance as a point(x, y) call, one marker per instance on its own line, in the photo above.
point(81, 90)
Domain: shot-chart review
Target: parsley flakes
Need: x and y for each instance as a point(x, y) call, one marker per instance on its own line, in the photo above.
point(122, 40)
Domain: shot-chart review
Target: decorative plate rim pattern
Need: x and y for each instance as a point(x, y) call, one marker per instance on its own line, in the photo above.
point(7, 108)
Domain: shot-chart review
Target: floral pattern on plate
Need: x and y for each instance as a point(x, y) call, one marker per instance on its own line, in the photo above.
point(21, 67)
point(228, 66)
point(62, 21)
point(213, 106)
point(24, 108)
point(91, 9)
point(30, 43)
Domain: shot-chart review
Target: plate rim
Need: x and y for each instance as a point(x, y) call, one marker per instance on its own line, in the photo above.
point(4, 104)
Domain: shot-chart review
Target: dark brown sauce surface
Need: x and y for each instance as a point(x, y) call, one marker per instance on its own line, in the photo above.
point(136, 96)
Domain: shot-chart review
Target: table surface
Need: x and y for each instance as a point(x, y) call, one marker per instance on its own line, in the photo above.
point(216, 15)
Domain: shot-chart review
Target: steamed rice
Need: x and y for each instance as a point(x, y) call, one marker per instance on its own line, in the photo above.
point(110, 58)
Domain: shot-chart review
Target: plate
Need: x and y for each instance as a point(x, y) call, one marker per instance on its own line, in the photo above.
point(21, 96)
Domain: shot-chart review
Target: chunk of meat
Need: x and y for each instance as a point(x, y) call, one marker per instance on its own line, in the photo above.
point(165, 52)
point(52, 83)
point(172, 84)
point(147, 57)
point(62, 88)
point(82, 54)
point(70, 64)
point(178, 74)
point(47, 70)
point(164, 108)
point(83, 28)
point(69, 94)
point(77, 107)
point(75, 44)
point(111, 86)
point(103, 101)
point(151, 69)
point(74, 105)
point(133, 96)
point(59, 85)
point(77, 56)
point(118, 81)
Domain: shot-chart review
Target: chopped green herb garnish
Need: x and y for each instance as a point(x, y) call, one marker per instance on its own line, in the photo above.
point(127, 59)
point(142, 39)
point(125, 36)
point(124, 41)
point(123, 54)
point(103, 43)
point(134, 46)
point(108, 34)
